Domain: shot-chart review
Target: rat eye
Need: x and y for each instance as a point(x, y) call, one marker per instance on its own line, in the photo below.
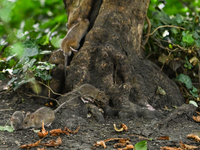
point(25, 122)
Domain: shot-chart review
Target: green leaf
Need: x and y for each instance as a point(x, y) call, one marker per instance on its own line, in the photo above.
point(45, 66)
point(11, 81)
point(197, 43)
point(18, 49)
point(141, 145)
point(179, 18)
point(5, 10)
point(43, 74)
point(29, 24)
point(56, 42)
point(2, 76)
point(18, 84)
point(194, 92)
point(45, 52)
point(193, 103)
point(28, 64)
point(185, 79)
point(187, 37)
point(187, 64)
point(6, 128)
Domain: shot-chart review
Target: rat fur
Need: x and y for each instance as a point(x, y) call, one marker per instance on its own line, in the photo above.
point(72, 39)
point(16, 120)
point(43, 114)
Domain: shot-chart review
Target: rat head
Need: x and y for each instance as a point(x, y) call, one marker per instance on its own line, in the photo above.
point(29, 120)
point(102, 98)
point(16, 123)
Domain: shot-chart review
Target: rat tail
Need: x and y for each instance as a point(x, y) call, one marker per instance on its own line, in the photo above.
point(61, 105)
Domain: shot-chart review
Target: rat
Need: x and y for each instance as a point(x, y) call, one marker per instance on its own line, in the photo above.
point(89, 92)
point(16, 120)
point(72, 39)
point(43, 114)
point(77, 9)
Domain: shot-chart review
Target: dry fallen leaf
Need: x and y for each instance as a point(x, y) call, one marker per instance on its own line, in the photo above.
point(130, 146)
point(31, 145)
point(100, 143)
point(194, 137)
point(43, 133)
point(53, 142)
point(68, 130)
point(41, 148)
point(56, 132)
point(118, 130)
point(119, 145)
point(196, 118)
point(187, 147)
point(170, 148)
point(198, 112)
point(163, 138)
point(124, 127)
point(122, 142)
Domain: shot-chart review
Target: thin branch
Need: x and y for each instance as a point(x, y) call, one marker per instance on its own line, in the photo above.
point(49, 88)
point(170, 26)
point(33, 95)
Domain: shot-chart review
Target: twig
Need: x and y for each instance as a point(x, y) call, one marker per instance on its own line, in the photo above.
point(170, 26)
point(148, 31)
point(140, 137)
point(50, 88)
point(33, 95)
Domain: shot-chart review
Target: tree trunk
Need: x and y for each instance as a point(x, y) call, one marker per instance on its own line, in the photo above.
point(110, 59)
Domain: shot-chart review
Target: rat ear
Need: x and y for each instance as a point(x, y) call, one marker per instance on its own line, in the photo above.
point(32, 116)
point(11, 119)
point(28, 113)
point(99, 94)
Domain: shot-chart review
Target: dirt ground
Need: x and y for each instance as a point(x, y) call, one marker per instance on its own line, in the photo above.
point(91, 131)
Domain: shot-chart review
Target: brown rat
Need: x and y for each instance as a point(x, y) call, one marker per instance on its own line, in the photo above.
point(87, 91)
point(43, 114)
point(72, 39)
point(16, 120)
point(77, 9)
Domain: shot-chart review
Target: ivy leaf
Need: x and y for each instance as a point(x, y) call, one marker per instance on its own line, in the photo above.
point(197, 43)
point(185, 79)
point(56, 42)
point(187, 37)
point(141, 145)
point(29, 24)
point(43, 74)
point(179, 18)
point(30, 52)
point(194, 92)
point(29, 64)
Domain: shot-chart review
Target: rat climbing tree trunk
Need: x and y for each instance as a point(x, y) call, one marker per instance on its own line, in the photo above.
point(110, 59)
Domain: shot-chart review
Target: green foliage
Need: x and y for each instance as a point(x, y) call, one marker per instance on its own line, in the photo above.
point(6, 128)
point(185, 79)
point(28, 30)
point(141, 145)
point(174, 41)
point(28, 67)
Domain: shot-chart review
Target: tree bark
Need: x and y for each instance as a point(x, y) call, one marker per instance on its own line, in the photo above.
point(110, 59)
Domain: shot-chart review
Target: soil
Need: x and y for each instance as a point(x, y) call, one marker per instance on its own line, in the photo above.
point(176, 127)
